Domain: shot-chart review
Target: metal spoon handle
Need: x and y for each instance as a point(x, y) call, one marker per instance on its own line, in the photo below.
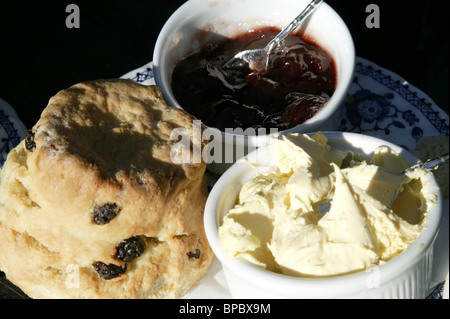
point(312, 6)
point(431, 164)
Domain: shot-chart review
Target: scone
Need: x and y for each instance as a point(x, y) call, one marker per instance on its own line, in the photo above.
point(91, 204)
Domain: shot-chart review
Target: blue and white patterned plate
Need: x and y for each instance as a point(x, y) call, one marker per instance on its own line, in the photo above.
point(382, 104)
point(12, 130)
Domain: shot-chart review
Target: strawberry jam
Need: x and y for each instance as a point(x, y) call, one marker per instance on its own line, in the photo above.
point(300, 79)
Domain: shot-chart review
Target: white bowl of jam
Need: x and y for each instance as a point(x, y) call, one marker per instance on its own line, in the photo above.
point(302, 90)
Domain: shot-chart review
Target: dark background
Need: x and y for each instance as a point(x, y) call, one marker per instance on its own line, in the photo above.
point(40, 55)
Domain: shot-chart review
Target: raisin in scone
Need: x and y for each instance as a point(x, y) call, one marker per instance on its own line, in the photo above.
point(91, 204)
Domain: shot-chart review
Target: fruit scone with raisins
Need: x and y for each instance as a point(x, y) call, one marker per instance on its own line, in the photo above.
point(91, 204)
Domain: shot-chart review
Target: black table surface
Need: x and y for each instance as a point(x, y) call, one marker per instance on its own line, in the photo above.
point(39, 55)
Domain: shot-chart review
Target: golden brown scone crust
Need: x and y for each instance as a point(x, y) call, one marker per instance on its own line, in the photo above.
point(96, 143)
